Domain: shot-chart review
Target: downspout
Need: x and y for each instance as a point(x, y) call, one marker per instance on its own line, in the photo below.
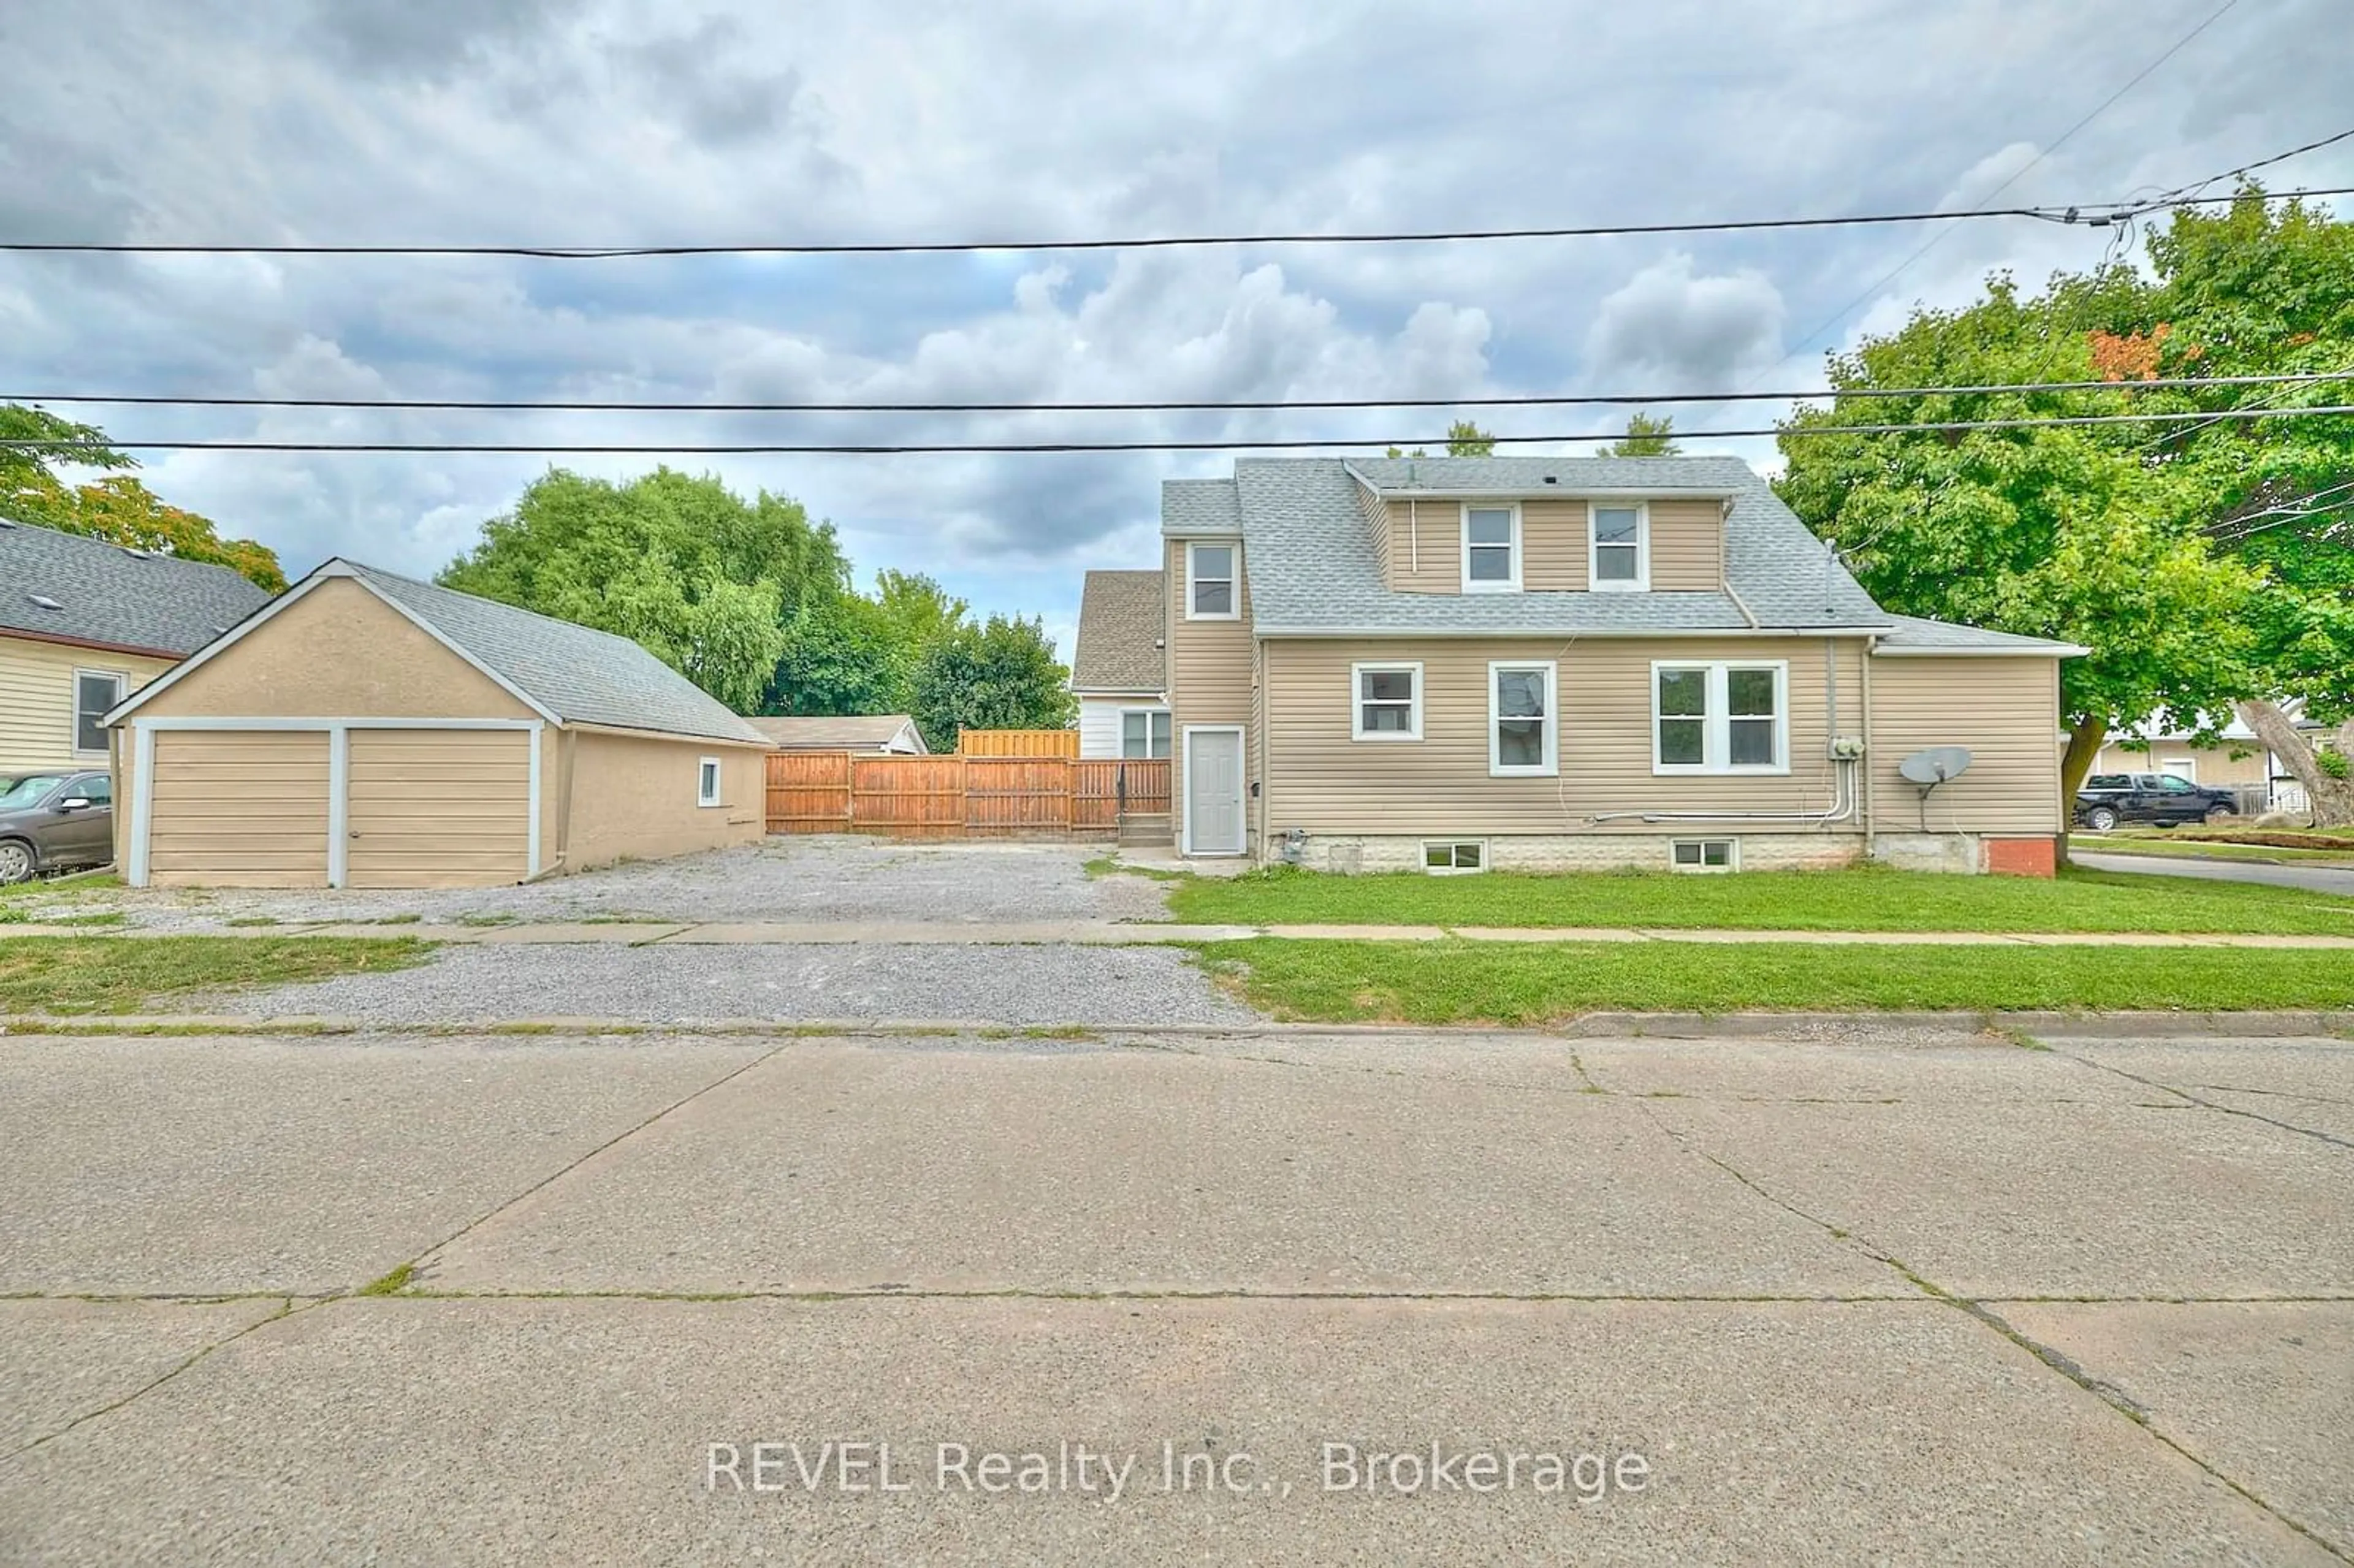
point(1870, 643)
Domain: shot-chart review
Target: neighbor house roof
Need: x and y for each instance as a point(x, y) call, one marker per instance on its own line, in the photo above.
point(849, 732)
point(1121, 619)
point(106, 596)
point(570, 674)
point(1314, 569)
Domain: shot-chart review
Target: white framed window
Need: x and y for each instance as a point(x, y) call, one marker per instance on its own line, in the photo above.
point(1523, 731)
point(706, 781)
point(1720, 717)
point(1211, 590)
point(1491, 548)
point(1454, 857)
point(95, 692)
point(1704, 854)
point(1618, 546)
point(1388, 702)
point(1143, 732)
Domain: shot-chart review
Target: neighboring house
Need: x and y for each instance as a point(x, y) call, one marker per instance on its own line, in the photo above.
point(1119, 670)
point(2235, 760)
point(1458, 664)
point(83, 624)
point(879, 733)
point(365, 730)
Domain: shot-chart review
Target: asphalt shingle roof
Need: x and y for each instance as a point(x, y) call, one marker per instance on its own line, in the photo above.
point(106, 594)
point(1121, 618)
point(581, 676)
point(1313, 565)
point(852, 732)
point(1913, 632)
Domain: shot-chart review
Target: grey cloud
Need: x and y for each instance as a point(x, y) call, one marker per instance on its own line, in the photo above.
point(427, 39)
point(699, 79)
point(1677, 329)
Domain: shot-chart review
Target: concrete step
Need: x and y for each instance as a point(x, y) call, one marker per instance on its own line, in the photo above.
point(1147, 828)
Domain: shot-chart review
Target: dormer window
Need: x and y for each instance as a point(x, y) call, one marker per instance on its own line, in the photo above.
point(1619, 556)
point(1210, 583)
point(1491, 549)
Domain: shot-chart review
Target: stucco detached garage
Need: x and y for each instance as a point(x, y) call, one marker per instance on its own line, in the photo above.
point(365, 730)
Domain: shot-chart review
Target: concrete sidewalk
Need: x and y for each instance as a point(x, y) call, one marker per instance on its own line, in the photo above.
point(1124, 934)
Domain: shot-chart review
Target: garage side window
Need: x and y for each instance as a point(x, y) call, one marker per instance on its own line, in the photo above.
point(95, 692)
point(706, 781)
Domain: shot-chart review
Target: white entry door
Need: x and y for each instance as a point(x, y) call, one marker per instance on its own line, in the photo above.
point(1214, 792)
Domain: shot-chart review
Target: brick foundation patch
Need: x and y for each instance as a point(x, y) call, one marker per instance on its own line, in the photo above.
point(2021, 857)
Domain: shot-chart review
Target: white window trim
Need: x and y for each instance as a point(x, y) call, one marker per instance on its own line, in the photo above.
point(1716, 729)
point(1643, 583)
point(718, 777)
point(1413, 731)
point(1732, 857)
point(73, 719)
point(1234, 580)
point(1513, 584)
point(1551, 766)
point(1430, 870)
point(1150, 713)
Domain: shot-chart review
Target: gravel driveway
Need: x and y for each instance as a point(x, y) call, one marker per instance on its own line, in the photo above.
point(792, 879)
point(672, 984)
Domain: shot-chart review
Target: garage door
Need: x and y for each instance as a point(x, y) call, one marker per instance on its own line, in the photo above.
point(439, 808)
point(240, 809)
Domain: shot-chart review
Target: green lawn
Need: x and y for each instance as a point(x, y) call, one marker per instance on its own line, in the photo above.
point(2205, 849)
point(81, 975)
point(1867, 899)
point(1528, 983)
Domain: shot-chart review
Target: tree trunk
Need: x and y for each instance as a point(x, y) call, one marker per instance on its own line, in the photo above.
point(2332, 798)
point(2084, 742)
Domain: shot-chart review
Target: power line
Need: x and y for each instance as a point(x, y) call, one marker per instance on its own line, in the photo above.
point(1618, 399)
point(2093, 213)
point(978, 448)
point(2017, 175)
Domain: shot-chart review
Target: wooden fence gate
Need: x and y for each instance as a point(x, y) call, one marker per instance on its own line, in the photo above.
point(961, 796)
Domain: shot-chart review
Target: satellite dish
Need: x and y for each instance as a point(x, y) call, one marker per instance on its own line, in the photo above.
point(1933, 767)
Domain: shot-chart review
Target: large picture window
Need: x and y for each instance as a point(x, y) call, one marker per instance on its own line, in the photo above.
point(1210, 590)
point(1388, 705)
point(1491, 549)
point(1522, 729)
point(1719, 719)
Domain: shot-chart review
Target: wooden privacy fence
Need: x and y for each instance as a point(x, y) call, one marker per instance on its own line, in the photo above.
point(1018, 743)
point(961, 797)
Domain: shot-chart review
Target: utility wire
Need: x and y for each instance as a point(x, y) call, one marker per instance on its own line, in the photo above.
point(2017, 175)
point(2092, 213)
point(916, 448)
point(2176, 382)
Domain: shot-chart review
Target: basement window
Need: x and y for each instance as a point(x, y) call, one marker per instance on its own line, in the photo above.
point(1455, 857)
point(1704, 854)
point(706, 781)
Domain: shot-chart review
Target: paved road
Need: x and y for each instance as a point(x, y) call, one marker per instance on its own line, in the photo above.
point(2338, 879)
point(1858, 1296)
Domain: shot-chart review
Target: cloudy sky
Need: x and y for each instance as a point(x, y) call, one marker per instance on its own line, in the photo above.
point(650, 121)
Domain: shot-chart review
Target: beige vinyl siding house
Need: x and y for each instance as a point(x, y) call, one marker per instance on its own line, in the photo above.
point(370, 731)
point(1474, 663)
point(83, 624)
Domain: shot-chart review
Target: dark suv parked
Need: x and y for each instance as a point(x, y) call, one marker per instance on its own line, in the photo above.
point(53, 820)
point(2108, 799)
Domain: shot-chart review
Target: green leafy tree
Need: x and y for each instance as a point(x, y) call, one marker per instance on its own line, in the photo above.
point(922, 609)
point(117, 508)
point(999, 675)
point(842, 653)
point(702, 578)
point(1465, 439)
point(1646, 437)
point(2049, 532)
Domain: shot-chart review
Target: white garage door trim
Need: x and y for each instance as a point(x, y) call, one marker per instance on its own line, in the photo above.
point(339, 778)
